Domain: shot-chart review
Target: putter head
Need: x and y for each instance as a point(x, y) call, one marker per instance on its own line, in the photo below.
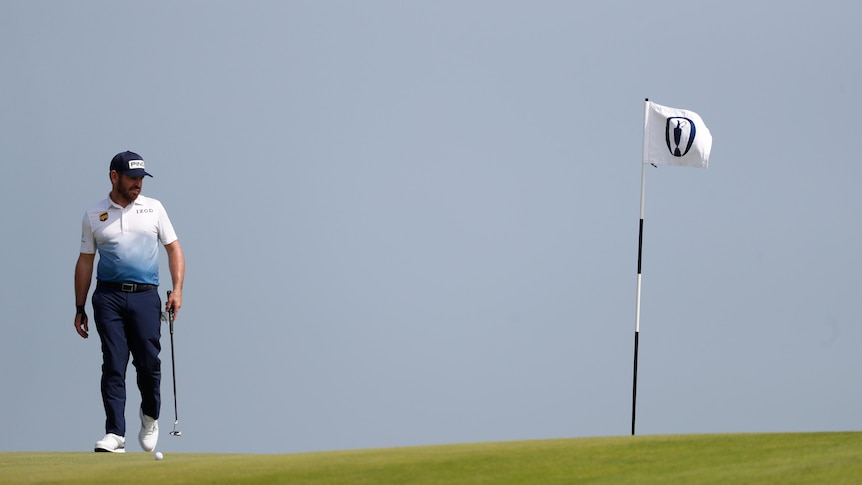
point(175, 432)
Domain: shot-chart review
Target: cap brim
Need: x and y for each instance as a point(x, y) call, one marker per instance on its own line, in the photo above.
point(136, 172)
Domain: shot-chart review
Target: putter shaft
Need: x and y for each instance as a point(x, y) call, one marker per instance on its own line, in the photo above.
point(173, 369)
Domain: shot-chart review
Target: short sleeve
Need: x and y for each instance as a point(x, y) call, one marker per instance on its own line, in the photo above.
point(88, 242)
point(167, 234)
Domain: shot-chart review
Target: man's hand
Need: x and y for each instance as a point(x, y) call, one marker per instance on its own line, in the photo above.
point(82, 323)
point(83, 274)
point(175, 302)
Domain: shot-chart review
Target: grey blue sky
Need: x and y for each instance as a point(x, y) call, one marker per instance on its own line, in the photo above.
point(412, 223)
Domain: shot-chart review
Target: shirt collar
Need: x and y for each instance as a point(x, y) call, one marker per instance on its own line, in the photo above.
point(110, 203)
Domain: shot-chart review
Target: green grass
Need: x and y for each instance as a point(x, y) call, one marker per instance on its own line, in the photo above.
point(785, 458)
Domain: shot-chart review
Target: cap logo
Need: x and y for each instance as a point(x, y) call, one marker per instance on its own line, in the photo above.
point(133, 164)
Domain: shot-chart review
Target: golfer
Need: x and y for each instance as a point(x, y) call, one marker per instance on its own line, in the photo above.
point(126, 229)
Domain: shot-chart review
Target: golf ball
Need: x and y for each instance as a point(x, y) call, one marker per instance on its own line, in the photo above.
point(159, 455)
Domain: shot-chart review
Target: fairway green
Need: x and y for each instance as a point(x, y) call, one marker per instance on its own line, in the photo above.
point(785, 458)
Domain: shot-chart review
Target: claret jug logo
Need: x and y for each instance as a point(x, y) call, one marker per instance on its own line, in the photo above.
point(680, 135)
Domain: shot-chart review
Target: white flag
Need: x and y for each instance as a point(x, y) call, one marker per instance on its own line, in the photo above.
point(675, 137)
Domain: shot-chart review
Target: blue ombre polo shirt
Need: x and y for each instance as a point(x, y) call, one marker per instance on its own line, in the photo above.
point(127, 239)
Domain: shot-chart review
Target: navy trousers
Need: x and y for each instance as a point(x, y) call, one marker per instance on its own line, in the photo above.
point(128, 323)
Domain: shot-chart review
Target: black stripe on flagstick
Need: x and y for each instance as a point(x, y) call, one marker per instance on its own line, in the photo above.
point(640, 244)
point(635, 384)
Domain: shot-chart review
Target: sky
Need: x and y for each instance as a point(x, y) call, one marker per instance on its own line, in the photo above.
point(416, 223)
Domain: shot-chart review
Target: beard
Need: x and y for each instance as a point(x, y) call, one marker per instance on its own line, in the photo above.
point(127, 188)
point(130, 193)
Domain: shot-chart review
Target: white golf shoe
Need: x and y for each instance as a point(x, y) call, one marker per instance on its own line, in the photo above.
point(111, 443)
point(149, 434)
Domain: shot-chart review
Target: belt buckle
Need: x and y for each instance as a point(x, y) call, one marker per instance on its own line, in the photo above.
point(129, 287)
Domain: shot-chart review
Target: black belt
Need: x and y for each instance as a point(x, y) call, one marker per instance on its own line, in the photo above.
point(127, 287)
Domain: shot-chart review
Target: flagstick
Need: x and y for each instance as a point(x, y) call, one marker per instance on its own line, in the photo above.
point(638, 299)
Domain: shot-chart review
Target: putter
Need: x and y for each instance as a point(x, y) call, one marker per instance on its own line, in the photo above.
point(173, 368)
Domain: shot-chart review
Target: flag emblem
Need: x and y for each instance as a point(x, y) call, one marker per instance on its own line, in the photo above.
point(679, 133)
point(675, 137)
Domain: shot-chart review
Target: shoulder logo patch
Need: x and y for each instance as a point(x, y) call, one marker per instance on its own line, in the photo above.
point(103, 216)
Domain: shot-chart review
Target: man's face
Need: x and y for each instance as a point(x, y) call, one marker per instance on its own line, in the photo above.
point(128, 187)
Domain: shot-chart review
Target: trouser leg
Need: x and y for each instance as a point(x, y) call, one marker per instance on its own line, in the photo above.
point(143, 330)
point(108, 314)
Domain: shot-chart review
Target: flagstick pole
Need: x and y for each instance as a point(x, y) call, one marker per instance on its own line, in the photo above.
point(638, 299)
